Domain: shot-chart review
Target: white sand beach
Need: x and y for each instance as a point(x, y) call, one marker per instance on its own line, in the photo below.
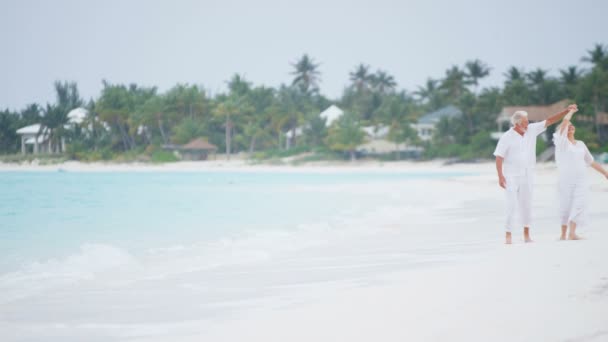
point(438, 271)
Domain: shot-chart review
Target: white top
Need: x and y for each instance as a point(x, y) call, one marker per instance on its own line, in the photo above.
point(519, 152)
point(572, 159)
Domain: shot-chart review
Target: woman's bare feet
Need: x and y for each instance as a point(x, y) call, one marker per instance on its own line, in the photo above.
point(527, 238)
point(564, 231)
point(575, 237)
point(508, 239)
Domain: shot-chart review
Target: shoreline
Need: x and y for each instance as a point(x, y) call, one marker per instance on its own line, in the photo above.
point(247, 166)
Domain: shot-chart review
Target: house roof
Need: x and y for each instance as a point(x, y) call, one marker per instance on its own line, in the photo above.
point(331, 114)
point(601, 118)
point(535, 113)
point(199, 144)
point(77, 115)
point(445, 112)
point(31, 129)
point(376, 132)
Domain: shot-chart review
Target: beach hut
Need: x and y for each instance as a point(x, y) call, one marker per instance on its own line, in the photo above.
point(197, 149)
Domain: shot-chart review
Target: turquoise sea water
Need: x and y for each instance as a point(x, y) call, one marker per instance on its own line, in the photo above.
point(112, 256)
point(46, 215)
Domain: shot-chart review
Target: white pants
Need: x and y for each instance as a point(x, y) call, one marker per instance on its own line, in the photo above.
point(519, 200)
point(572, 202)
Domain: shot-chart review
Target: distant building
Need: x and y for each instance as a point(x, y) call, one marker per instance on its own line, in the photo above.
point(32, 142)
point(77, 115)
point(331, 114)
point(426, 125)
point(29, 142)
point(378, 144)
point(197, 149)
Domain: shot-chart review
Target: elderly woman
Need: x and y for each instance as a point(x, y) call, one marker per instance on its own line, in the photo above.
point(572, 158)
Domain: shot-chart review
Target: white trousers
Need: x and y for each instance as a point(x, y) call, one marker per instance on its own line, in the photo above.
point(572, 203)
point(519, 200)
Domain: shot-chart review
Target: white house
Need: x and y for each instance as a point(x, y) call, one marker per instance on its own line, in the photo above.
point(378, 143)
point(42, 144)
point(425, 127)
point(331, 114)
point(28, 138)
point(77, 115)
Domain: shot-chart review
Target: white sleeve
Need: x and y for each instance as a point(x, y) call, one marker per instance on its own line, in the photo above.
point(537, 128)
point(588, 157)
point(501, 147)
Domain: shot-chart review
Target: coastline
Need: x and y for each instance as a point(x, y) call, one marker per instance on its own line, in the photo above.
point(246, 165)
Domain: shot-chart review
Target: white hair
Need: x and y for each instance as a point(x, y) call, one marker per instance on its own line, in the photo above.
point(517, 116)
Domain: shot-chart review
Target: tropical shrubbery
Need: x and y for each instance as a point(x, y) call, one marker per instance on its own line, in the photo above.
point(130, 122)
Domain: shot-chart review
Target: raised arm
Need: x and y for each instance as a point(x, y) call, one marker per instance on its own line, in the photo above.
point(556, 117)
point(564, 125)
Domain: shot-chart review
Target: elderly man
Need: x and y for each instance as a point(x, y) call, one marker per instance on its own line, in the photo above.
point(515, 162)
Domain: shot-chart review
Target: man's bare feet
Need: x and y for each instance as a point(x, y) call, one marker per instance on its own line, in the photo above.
point(527, 238)
point(574, 237)
point(563, 237)
point(508, 239)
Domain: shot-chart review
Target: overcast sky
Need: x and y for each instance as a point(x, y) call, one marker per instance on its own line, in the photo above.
point(205, 42)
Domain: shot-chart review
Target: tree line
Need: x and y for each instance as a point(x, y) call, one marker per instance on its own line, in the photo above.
point(135, 120)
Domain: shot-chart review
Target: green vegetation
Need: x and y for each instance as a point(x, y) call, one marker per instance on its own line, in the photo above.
point(132, 123)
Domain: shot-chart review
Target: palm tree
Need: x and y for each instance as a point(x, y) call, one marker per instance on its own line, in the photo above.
point(595, 85)
point(429, 93)
point(291, 103)
point(346, 135)
point(56, 116)
point(383, 82)
point(597, 55)
point(238, 85)
point(455, 82)
point(67, 96)
point(569, 79)
point(227, 109)
point(476, 70)
point(514, 74)
point(544, 88)
point(52, 125)
point(360, 77)
point(537, 77)
point(31, 114)
point(307, 75)
point(571, 75)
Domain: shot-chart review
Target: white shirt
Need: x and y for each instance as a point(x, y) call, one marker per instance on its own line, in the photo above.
point(572, 159)
point(519, 152)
